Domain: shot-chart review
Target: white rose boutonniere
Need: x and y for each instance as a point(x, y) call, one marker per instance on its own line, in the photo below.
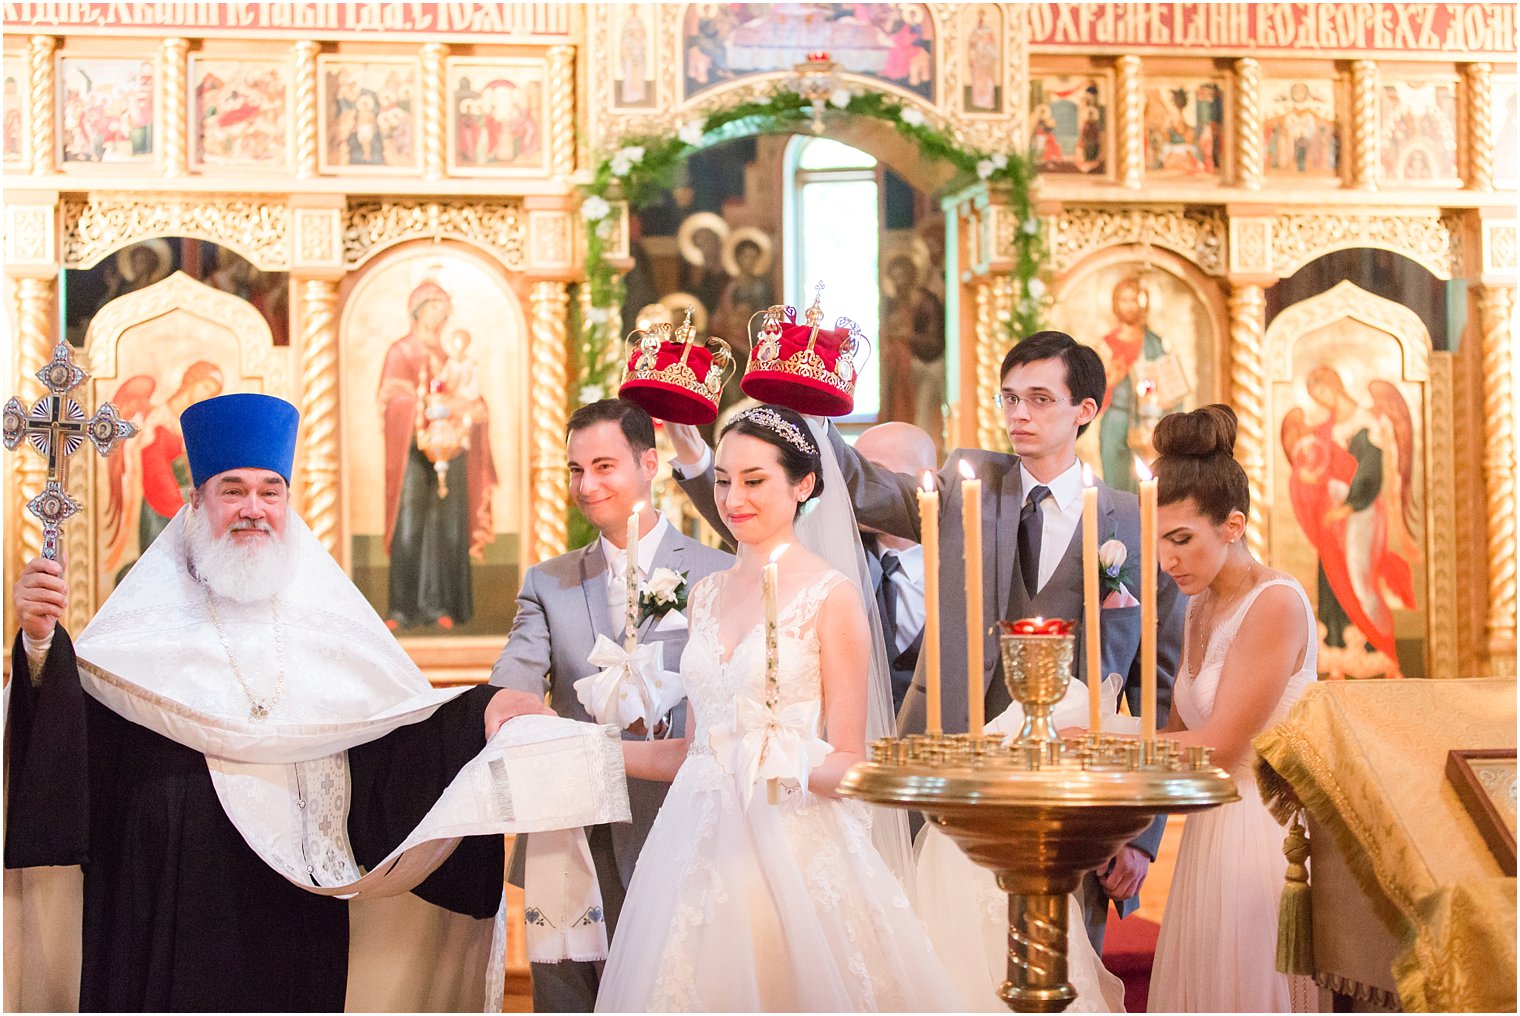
point(1111, 578)
point(665, 591)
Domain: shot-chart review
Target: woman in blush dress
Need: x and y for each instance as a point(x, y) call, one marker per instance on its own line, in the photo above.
point(1247, 657)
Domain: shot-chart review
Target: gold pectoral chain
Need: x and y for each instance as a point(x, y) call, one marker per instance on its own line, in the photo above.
point(257, 709)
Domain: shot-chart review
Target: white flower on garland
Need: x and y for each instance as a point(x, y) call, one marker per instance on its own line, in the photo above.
point(604, 228)
point(598, 316)
point(690, 132)
point(590, 394)
point(999, 161)
point(839, 98)
point(595, 209)
point(913, 116)
point(620, 165)
point(984, 168)
point(1036, 289)
point(1031, 226)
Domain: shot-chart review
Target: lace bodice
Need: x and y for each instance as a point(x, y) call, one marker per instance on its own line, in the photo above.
point(713, 684)
point(1193, 697)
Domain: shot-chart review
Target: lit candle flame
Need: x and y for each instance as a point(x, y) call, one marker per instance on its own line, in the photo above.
point(1087, 476)
point(928, 480)
point(1142, 470)
point(966, 471)
point(776, 554)
point(638, 509)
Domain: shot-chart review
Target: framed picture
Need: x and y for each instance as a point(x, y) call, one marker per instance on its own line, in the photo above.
point(1485, 783)
point(1301, 133)
point(1417, 132)
point(1505, 141)
point(498, 113)
point(106, 110)
point(982, 60)
point(15, 129)
point(1069, 123)
point(369, 114)
point(239, 113)
point(633, 54)
point(1184, 127)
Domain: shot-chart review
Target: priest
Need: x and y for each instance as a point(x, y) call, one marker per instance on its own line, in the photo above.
point(232, 750)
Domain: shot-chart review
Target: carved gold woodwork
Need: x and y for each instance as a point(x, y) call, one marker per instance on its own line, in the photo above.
point(172, 97)
point(562, 110)
point(35, 314)
point(40, 77)
point(1197, 235)
point(1250, 245)
point(1248, 153)
point(255, 227)
point(496, 227)
point(1131, 125)
point(304, 126)
point(1248, 397)
point(318, 238)
point(1364, 124)
point(319, 409)
point(551, 485)
point(434, 117)
point(985, 415)
point(31, 236)
point(1441, 554)
point(1501, 249)
point(1496, 306)
point(1432, 240)
point(1480, 125)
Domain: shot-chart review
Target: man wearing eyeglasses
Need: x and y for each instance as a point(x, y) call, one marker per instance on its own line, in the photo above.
point(1031, 555)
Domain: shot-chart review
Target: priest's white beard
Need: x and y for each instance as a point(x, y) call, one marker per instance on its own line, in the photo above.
point(230, 568)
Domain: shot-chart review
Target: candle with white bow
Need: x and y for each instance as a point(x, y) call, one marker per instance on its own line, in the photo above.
point(1147, 601)
point(928, 516)
point(631, 613)
point(770, 578)
point(1090, 615)
point(971, 524)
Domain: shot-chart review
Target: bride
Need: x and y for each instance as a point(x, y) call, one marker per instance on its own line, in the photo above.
point(738, 903)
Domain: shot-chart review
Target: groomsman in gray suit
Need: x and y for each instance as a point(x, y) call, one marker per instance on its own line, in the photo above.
point(1031, 556)
point(564, 604)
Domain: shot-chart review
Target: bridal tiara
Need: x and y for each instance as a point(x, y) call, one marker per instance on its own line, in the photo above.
point(772, 421)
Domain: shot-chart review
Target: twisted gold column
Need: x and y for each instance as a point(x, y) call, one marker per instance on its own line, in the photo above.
point(173, 106)
point(1480, 126)
point(34, 347)
point(1364, 123)
point(39, 119)
point(306, 109)
point(319, 410)
point(1248, 144)
point(1248, 395)
point(1131, 107)
point(1497, 308)
point(562, 110)
point(550, 301)
point(434, 98)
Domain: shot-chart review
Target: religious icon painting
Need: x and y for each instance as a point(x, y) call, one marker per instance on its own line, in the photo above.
point(435, 403)
point(369, 110)
point(1069, 118)
point(982, 60)
point(1158, 324)
point(106, 110)
point(1506, 137)
point(15, 86)
point(1418, 133)
point(1301, 134)
point(1184, 127)
point(239, 113)
point(633, 53)
point(498, 117)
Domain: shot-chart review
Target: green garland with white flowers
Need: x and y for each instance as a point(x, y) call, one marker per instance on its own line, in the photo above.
point(645, 166)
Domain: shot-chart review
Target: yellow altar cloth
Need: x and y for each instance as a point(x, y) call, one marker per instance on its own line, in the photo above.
point(1367, 759)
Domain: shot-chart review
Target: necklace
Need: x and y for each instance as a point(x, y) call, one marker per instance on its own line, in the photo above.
point(1198, 639)
point(258, 709)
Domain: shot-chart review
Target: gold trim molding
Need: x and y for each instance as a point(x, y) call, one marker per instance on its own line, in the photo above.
point(496, 227)
point(256, 228)
point(1434, 241)
point(1198, 236)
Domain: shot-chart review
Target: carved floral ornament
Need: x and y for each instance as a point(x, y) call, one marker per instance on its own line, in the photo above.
point(257, 229)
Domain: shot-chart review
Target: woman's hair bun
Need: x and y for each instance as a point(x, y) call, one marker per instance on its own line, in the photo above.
point(1200, 434)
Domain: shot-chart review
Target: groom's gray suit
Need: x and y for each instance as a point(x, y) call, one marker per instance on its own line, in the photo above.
point(562, 608)
point(888, 501)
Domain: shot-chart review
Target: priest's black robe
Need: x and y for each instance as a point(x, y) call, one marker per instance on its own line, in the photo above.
point(180, 914)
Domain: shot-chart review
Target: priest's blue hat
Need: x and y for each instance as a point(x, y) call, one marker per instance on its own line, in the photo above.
point(244, 431)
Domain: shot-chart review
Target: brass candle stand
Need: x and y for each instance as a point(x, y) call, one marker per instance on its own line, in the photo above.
point(1040, 812)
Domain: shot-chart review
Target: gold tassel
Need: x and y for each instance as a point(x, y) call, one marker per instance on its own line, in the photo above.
point(1295, 923)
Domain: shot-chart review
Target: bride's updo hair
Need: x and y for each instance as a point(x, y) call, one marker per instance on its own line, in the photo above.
point(785, 430)
point(1197, 460)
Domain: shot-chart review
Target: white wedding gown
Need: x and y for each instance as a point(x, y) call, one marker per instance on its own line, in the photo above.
point(1218, 946)
point(784, 907)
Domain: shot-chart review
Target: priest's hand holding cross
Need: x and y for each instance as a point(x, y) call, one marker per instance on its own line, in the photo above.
point(42, 596)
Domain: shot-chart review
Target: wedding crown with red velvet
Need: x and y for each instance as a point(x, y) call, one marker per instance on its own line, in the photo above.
point(673, 376)
point(804, 367)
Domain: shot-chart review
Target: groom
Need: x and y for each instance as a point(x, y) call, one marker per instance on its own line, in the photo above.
point(564, 604)
point(1031, 556)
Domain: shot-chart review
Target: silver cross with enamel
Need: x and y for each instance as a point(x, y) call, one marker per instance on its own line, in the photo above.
point(56, 426)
